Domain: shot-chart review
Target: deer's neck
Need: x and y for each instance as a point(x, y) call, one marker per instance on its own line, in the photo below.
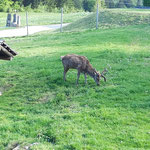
point(90, 71)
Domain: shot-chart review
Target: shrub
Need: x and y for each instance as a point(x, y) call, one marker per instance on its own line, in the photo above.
point(128, 3)
point(121, 4)
point(139, 3)
point(146, 2)
point(110, 3)
point(89, 5)
point(5, 5)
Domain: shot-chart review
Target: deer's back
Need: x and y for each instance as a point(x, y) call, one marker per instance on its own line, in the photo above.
point(75, 61)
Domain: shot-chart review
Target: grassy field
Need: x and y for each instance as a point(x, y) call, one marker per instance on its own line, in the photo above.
point(44, 18)
point(111, 18)
point(38, 106)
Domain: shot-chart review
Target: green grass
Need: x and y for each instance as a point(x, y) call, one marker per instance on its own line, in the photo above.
point(44, 18)
point(111, 18)
point(38, 106)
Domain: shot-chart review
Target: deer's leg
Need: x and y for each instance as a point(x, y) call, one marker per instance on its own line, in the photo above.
point(85, 78)
point(65, 71)
point(78, 76)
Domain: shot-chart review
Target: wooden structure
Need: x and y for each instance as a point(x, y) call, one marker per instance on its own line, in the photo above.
point(6, 53)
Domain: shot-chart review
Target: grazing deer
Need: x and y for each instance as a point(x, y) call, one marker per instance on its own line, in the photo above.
point(81, 63)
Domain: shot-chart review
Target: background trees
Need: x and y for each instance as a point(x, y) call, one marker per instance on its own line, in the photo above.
point(70, 5)
point(146, 2)
point(88, 5)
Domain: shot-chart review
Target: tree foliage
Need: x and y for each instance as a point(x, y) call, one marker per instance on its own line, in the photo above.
point(146, 2)
point(128, 3)
point(51, 5)
point(139, 3)
point(5, 5)
point(121, 4)
point(89, 5)
point(110, 3)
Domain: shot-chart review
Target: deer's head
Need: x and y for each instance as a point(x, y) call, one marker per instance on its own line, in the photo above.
point(98, 76)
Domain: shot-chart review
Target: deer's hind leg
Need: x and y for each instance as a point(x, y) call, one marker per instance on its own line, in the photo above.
point(65, 71)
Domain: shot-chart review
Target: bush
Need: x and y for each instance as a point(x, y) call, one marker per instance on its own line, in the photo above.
point(128, 3)
point(78, 4)
point(139, 3)
point(121, 4)
point(5, 5)
point(89, 5)
point(146, 2)
point(110, 3)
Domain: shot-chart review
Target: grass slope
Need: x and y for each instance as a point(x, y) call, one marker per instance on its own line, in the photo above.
point(111, 19)
point(38, 106)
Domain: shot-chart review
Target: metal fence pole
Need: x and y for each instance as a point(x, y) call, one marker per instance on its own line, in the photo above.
point(97, 16)
point(61, 20)
point(27, 23)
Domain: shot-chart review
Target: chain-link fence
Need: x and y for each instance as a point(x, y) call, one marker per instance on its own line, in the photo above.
point(100, 19)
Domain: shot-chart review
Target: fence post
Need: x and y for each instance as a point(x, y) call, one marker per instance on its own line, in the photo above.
point(97, 16)
point(61, 20)
point(27, 23)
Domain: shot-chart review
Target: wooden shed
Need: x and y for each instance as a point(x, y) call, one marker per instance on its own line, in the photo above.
point(6, 53)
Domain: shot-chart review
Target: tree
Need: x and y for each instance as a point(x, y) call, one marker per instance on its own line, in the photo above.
point(128, 3)
point(78, 4)
point(121, 4)
point(89, 5)
point(27, 2)
point(35, 3)
point(5, 5)
point(109, 3)
point(139, 3)
point(146, 2)
point(50, 4)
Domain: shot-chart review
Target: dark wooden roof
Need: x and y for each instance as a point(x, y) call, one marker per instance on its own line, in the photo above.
point(6, 53)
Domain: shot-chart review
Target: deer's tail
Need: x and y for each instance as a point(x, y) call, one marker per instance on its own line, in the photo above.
point(61, 57)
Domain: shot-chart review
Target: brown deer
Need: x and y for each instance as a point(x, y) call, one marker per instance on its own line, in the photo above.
point(81, 63)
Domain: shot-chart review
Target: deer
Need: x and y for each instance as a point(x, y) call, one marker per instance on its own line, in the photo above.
point(82, 64)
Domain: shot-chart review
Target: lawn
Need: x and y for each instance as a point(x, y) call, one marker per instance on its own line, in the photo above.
point(44, 18)
point(38, 106)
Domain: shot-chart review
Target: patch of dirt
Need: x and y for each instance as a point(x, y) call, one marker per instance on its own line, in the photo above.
point(5, 88)
point(46, 97)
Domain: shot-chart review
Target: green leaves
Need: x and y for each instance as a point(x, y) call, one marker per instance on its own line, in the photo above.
point(146, 2)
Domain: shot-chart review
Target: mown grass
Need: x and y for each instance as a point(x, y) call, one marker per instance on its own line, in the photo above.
point(44, 18)
point(111, 18)
point(38, 106)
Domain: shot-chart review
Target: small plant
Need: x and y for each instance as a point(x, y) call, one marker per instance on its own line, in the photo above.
point(60, 97)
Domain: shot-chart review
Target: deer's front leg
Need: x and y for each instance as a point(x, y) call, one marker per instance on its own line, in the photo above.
point(85, 78)
point(78, 76)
